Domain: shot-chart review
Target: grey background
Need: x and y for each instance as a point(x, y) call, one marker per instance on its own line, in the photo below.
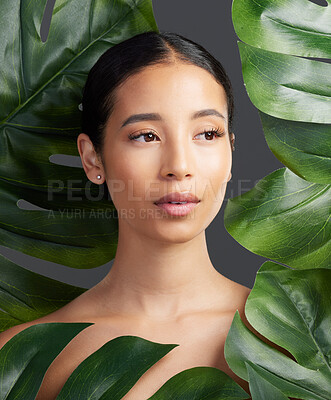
point(208, 23)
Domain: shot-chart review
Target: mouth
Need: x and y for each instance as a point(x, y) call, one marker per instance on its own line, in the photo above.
point(178, 198)
point(178, 208)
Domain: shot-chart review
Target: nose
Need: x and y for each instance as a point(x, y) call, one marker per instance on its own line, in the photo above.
point(177, 160)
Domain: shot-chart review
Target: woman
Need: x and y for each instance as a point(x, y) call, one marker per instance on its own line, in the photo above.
point(157, 119)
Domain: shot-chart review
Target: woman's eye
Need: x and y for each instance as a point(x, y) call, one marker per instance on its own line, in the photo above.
point(209, 135)
point(148, 135)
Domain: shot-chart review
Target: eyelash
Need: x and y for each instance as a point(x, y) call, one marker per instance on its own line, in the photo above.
point(216, 131)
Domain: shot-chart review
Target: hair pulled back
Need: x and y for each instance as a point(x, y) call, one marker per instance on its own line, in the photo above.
point(131, 56)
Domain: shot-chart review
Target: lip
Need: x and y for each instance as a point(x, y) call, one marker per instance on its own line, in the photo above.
point(178, 210)
point(177, 196)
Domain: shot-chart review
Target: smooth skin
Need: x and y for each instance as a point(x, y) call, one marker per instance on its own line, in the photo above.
point(162, 285)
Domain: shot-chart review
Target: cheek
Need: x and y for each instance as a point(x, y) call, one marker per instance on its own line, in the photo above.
point(126, 179)
point(216, 170)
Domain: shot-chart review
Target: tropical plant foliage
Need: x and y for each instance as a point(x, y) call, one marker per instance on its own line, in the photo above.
point(41, 88)
point(26, 295)
point(292, 95)
point(285, 217)
point(108, 373)
point(291, 308)
point(289, 90)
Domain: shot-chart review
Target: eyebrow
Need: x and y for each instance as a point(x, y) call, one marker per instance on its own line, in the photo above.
point(157, 117)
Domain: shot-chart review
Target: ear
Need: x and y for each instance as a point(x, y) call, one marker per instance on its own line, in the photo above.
point(232, 139)
point(90, 160)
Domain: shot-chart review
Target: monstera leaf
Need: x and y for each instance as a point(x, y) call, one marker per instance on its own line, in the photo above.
point(259, 387)
point(113, 369)
point(108, 373)
point(25, 358)
point(25, 295)
point(291, 93)
point(293, 142)
point(41, 87)
point(297, 27)
point(200, 383)
point(285, 218)
point(291, 308)
point(40, 91)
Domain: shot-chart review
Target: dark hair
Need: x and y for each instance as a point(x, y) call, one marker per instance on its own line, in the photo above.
point(129, 57)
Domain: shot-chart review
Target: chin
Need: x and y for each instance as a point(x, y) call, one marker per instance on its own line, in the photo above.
point(174, 231)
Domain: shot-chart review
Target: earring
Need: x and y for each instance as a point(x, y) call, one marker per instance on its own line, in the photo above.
point(99, 177)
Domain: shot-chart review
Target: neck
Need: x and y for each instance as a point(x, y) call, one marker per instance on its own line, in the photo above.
point(160, 280)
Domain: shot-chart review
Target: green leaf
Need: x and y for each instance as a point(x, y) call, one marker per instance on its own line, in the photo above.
point(7, 321)
point(287, 307)
point(26, 295)
point(285, 86)
point(198, 383)
point(51, 75)
point(292, 308)
point(260, 388)
point(242, 345)
point(111, 371)
point(297, 27)
point(305, 148)
point(78, 235)
point(40, 90)
point(25, 358)
point(284, 218)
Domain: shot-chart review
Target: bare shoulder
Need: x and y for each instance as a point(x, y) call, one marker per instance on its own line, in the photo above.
point(241, 291)
point(235, 293)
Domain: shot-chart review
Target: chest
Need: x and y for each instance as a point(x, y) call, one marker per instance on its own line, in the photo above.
point(200, 344)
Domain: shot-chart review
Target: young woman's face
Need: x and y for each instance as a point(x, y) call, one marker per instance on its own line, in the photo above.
point(172, 153)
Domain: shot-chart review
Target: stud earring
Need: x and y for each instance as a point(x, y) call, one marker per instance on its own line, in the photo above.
point(99, 177)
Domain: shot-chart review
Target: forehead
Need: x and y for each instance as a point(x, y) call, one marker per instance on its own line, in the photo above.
point(170, 87)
